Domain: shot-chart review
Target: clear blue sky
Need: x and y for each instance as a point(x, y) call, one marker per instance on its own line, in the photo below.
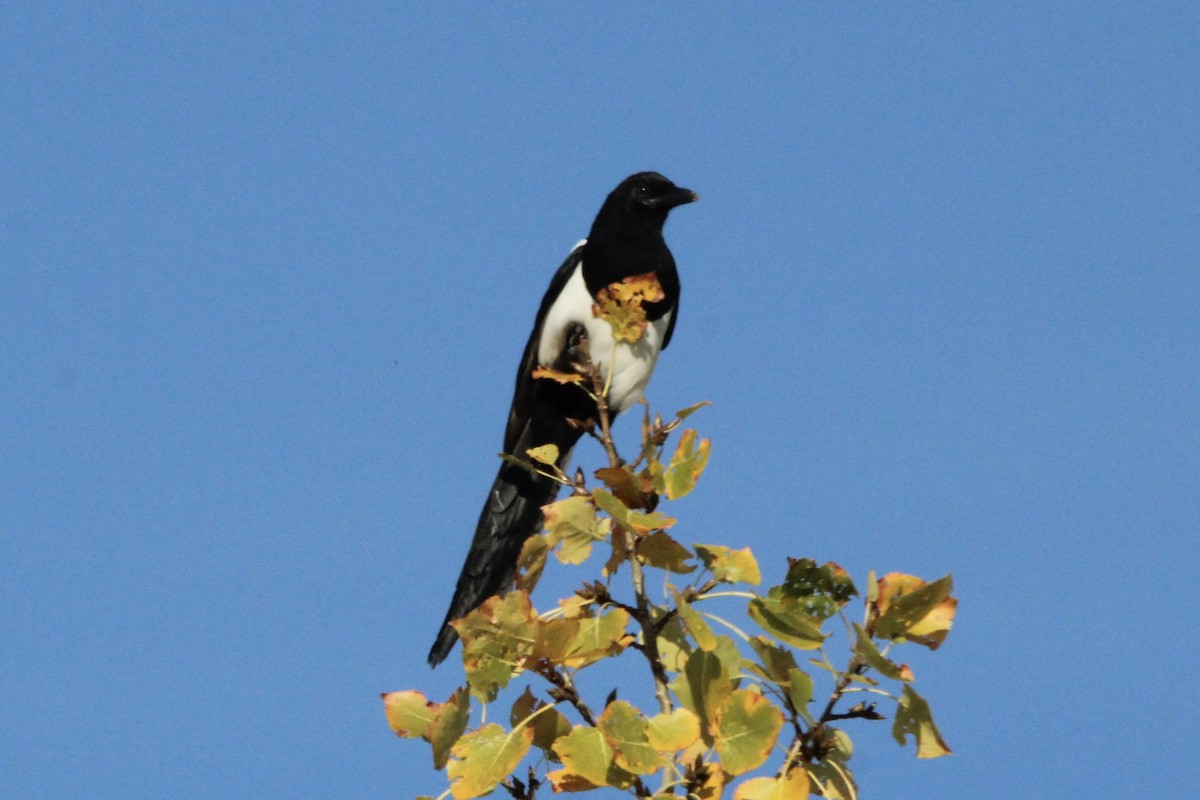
point(265, 276)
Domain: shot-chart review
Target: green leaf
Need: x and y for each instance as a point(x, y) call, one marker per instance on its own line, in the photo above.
point(673, 645)
point(703, 687)
point(777, 662)
point(572, 523)
point(841, 746)
point(729, 565)
point(914, 718)
point(662, 552)
point(532, 561)
point(746, 731)
point(485, 757)
point(786, 619)
point(821, 591)
point(695, 624)
point(866, 648)
point(835, 779)
point(669, 732)
point(587, 755)
point(635, 521)
point(496, 639)
point(684, 413)
point(554, 638)
point(449, 722)
point(624, 729)
point(800, 692)
point(689, 461)
point(598, 638)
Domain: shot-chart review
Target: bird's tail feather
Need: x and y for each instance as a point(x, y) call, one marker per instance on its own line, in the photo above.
point(510, 516)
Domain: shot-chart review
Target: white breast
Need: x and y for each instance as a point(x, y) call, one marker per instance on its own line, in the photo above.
point(630, 364)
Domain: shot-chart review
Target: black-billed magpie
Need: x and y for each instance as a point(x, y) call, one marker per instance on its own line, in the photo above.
point(625, 240)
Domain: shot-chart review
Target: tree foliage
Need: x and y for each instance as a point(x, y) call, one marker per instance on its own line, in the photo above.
point(738, 709)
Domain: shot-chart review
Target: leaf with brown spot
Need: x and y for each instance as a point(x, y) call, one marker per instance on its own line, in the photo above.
point(910, 609)
point(631, 489)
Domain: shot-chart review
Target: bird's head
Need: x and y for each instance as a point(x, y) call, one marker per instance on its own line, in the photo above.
point(640, 201)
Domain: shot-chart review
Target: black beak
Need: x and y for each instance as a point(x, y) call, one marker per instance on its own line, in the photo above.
point(676, 197)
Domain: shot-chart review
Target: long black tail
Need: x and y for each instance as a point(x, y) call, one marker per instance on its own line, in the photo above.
point(511, 515)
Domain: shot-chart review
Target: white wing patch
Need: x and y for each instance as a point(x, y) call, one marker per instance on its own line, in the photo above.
point(631, 365)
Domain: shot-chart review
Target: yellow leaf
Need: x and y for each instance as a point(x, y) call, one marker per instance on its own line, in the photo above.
point(673, 731)
point(557, 376)
point(598, 638)
point(932, 629)
point(621, 305)
point(574, 527)
point(532, 561)
point(544, 454)
point(914, 718)
point(709, 777)
point(587, 755)
point(793, 786)
point(636, 522)
point(485, 757)
point(441, 724)
point(408, 713)
point(729, 565)
point(496, 639)
point(554, 638)
point(909, 608)
point(624, 729)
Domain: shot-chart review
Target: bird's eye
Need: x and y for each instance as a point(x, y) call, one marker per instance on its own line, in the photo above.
point(642, 192)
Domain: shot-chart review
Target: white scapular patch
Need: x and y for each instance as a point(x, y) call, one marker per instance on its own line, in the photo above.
point(630, 364)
